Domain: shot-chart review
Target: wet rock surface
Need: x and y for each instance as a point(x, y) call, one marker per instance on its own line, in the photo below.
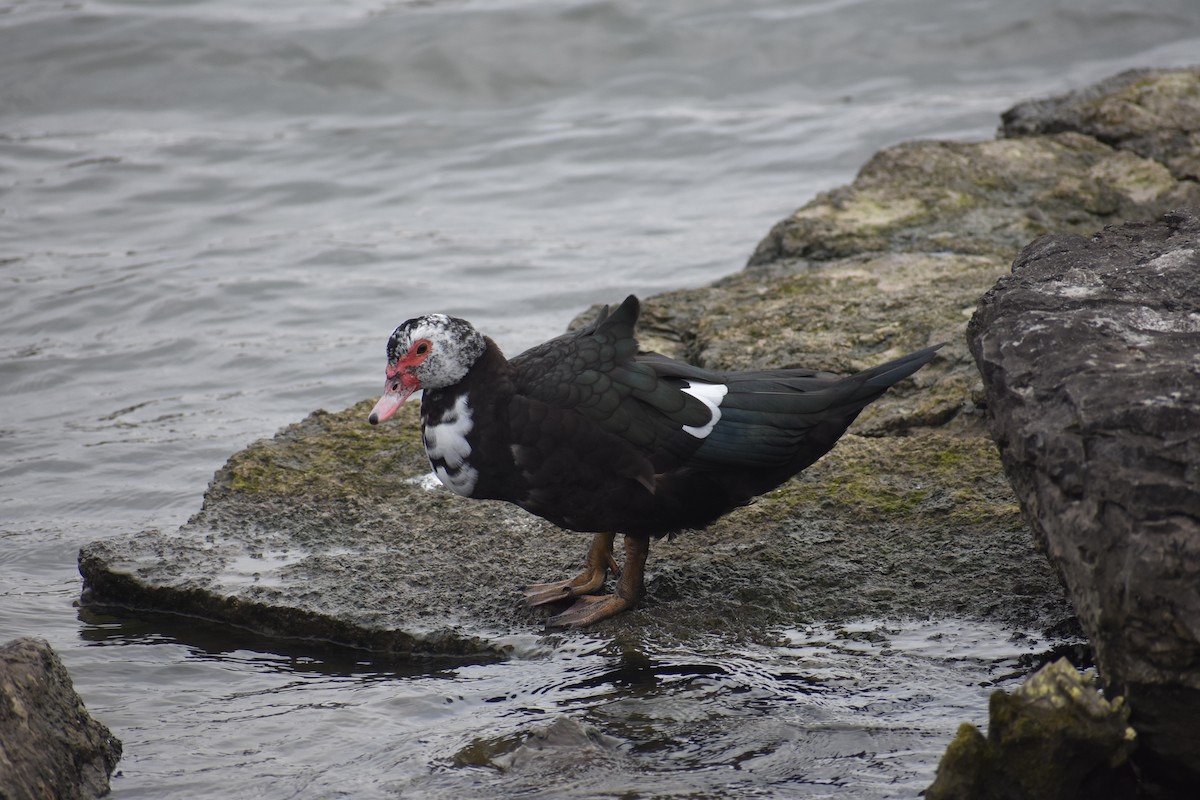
point(331, 531)
point(49, 745)
point(291, 547)
point(1055, 736)
point(1090, 353)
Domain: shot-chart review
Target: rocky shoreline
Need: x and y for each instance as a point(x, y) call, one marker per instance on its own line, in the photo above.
point(329, 531)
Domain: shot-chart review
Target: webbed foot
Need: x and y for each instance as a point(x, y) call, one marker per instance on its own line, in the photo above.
point(589, 609)
point(599, 561)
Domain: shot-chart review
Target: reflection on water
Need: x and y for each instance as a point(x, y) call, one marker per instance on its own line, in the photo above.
point(869, 706)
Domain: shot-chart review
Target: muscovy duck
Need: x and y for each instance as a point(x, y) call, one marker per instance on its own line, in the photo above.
point(593, 435)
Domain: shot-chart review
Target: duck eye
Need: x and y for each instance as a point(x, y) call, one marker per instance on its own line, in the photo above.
point(422, 348)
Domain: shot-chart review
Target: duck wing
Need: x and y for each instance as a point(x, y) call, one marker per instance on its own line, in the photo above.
point(598, 374)
point(677, 414)
point(789, 418)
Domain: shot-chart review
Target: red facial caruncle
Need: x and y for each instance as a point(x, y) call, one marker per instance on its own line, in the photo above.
point(401, 381)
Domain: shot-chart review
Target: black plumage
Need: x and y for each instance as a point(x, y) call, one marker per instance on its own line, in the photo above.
point(593, 435)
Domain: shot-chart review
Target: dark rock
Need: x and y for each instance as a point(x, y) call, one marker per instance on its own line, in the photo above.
point(1054, 738)
point(49, 745)
point(1152, 112)
point(1090, 355)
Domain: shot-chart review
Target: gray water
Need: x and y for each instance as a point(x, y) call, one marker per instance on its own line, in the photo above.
point(212, 213)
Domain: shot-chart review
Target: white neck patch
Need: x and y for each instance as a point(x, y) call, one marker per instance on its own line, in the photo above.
point(447, 447)
point(711, 394)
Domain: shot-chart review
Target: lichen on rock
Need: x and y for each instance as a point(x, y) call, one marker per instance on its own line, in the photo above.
point(1055, 737)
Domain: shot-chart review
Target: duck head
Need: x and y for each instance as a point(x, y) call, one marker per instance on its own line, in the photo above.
point(429, 352)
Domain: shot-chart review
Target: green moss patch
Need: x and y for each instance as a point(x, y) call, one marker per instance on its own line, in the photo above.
point(330, 455)
point(930, 477)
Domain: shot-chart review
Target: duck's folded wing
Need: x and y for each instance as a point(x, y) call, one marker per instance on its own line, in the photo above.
point(678, 414)
point(596, 372)
point(767, 418)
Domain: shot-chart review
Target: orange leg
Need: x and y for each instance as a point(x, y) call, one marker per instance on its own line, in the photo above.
point(595, 570)
point(591, 609)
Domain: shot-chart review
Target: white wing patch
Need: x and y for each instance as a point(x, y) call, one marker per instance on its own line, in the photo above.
point(711, 394)
point(446, 442)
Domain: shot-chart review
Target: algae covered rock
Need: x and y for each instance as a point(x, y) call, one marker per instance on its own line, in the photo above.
point(978, 198)
point(844, 316)
point(1055, 737)
point(1152, 112)
point(330, 533)
point(414, 569)
point(1125, 148)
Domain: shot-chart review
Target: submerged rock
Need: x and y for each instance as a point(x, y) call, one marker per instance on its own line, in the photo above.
point(331, 531)
point(49, 745)
point(1090, 353)
point(1054, 738)
point(563, 745)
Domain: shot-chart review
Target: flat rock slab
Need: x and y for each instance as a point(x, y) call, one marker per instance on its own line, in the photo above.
point(1090, 353)
point(333, 531)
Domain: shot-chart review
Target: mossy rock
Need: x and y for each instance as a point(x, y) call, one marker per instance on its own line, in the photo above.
point(842, 317)
point(1154, 113)
point(924, 478)
point(1055, 736)
point(978, 198)
point(886, 527)
point(329, 456)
